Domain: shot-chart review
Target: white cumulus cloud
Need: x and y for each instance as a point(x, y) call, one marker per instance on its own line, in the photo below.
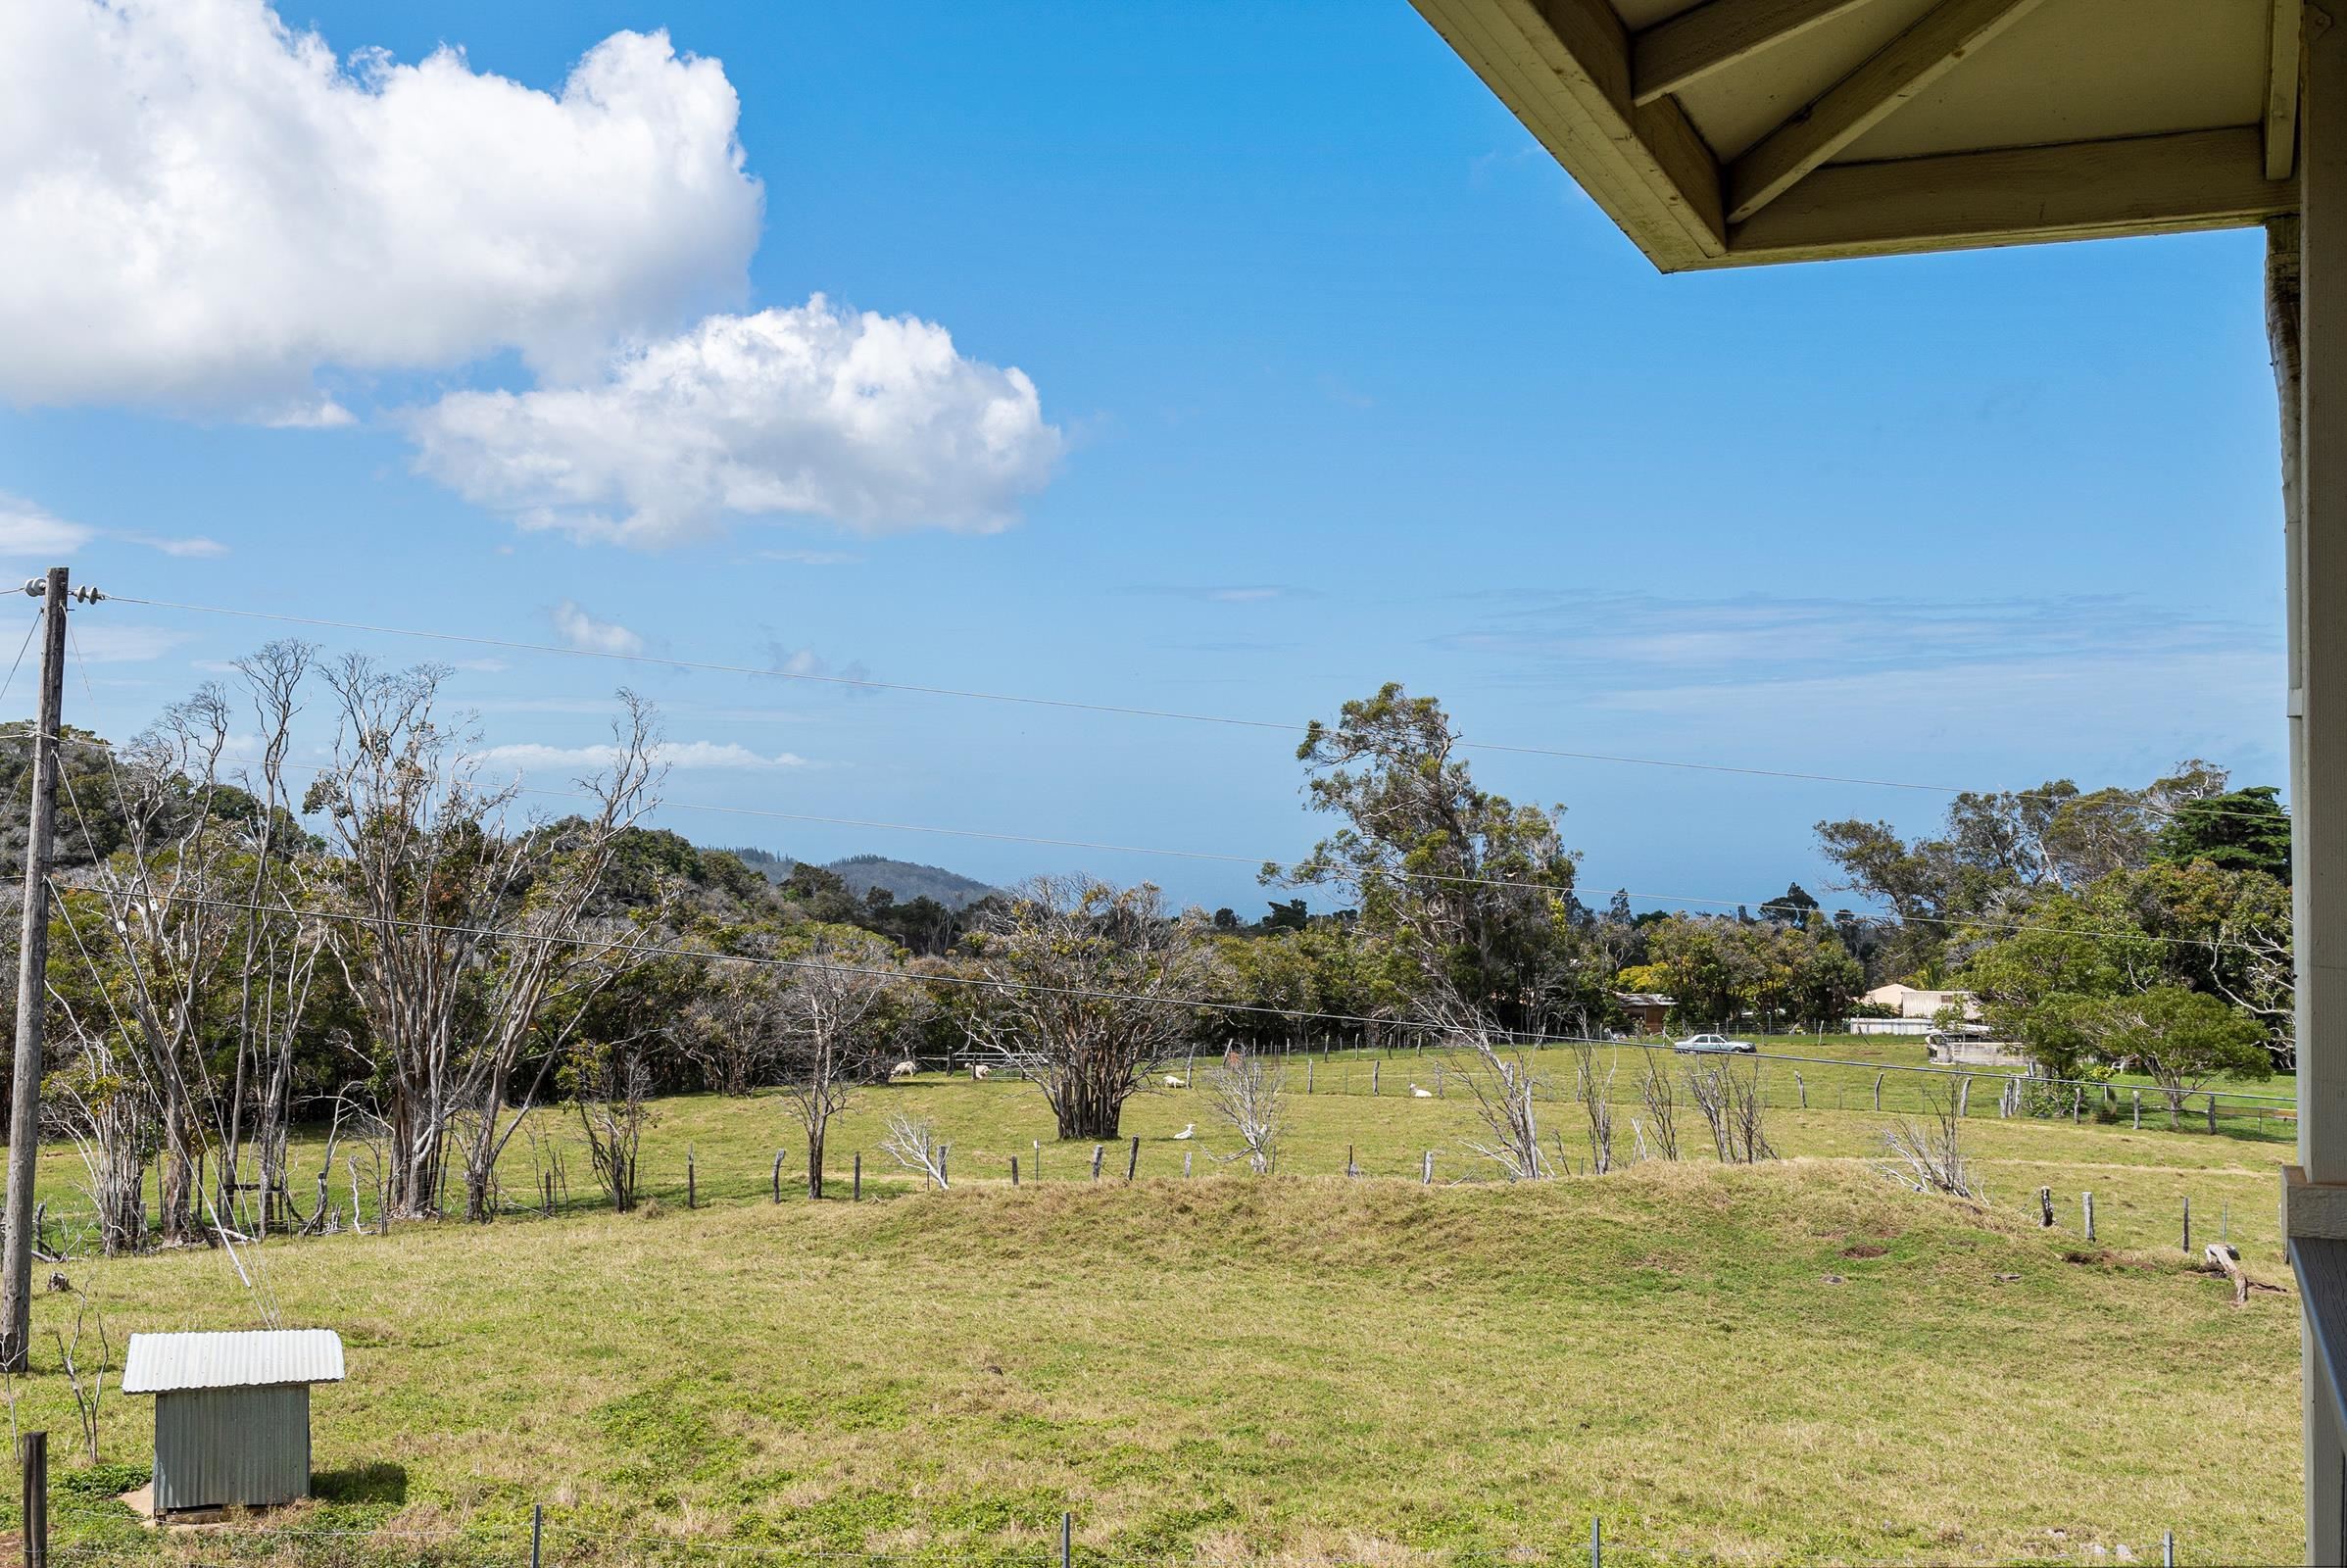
point(584, 632)
point(201, 207)
point(875, 422)
point(669, 753)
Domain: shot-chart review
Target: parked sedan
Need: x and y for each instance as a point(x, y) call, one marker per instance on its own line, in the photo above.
point(1713, 1046)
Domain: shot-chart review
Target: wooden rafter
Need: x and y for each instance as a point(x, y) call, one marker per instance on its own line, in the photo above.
point(2281, 87)
point(2028, 195)
point(1901, 68)
point(1695, 43)
point(1563, 66)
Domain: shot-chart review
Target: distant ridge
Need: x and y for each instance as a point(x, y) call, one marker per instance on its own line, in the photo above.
point(906, 879)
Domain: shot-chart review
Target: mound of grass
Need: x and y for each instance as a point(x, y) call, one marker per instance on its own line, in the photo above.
point(1795, 1362)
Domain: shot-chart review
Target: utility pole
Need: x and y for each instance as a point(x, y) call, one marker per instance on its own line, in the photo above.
point(33, 998)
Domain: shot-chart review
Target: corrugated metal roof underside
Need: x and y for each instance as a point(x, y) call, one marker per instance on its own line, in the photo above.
point(161, 1363)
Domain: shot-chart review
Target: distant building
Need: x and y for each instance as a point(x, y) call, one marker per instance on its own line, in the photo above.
point(1915, 1010)
point(231, 1413)
point(1649, 1013)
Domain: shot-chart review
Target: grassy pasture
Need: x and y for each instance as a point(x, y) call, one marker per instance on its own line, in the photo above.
point(1795, 1362)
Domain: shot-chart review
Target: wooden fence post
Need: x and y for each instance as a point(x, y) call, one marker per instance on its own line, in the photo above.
point(1185, 1164)
point(855, 1192)
point(691, 1183)
point(2187, 1222)
point(1878, 1090)
point(2212, 1115)
point(2078, 1098)
point(1067, 1537)
point(2089, 1203)
point(1373, 1072)
point(1097, 1150)
point(1352, 1166)
point(1132, 1160)
point(36, 1500)
point(2139, 1094)
point(1426, 1170)
point(1964, 1096)
point(1803, 1087)
point(778, 1175)
point(1307, 1075)
point(2045, 1206)
point(1014, 1170)
point(537, 1533)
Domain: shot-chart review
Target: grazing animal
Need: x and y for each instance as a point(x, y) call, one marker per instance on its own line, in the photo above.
point(1187, 1128)
point(1176, 1081)
point(980, 1072)
point(902, 1072)
point(1417, 1092)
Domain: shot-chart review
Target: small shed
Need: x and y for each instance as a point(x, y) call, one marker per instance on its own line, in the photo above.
point(231, 1413)
point(1649, 1011)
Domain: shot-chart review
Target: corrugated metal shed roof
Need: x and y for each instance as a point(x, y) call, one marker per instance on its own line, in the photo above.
point(160, 1363)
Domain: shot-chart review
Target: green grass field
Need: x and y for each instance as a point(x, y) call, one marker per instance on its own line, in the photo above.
point(1791, 1363)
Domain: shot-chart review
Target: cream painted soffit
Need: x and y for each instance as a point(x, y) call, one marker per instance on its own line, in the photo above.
point(1736, 132)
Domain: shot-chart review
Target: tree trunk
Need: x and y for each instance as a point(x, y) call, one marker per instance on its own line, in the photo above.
point(814, 1156)
point(175, 1174)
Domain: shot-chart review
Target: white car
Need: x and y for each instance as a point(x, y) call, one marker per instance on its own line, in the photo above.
point(1714, 1046)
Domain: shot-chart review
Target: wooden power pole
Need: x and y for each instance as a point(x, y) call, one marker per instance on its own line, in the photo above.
point(32, 998)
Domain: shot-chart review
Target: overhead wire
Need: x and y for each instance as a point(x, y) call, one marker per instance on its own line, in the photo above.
point(867, 683)
point(1514, 885)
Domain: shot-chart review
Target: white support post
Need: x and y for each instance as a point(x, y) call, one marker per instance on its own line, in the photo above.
point(2316, 548)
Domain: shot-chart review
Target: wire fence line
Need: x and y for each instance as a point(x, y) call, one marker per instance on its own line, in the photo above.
point(541, 1542)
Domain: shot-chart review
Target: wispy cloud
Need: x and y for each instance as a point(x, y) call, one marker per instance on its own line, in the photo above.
point(2064, 683)
point(680, 754)
point(586, 633)
point(28, 531)
point(1756, 640)
point(1248, 593)
point(102, 644)
point(812, 558)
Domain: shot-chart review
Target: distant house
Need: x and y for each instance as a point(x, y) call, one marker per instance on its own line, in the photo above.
point(232, 1413)
point(1649, 1013)
point(1914, 1010)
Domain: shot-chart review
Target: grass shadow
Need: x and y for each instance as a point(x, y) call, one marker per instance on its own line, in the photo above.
point(378, 1483)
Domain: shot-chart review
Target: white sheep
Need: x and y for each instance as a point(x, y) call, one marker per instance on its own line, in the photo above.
point(980, 1072)
point(1417, 1092)
point(902, 1072)
point(1188, 1129)
point(1176, 1081)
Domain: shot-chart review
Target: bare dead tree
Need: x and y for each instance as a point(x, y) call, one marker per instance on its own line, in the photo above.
point(1250, 1096)
point(1930, 1159)
point(1732, 1109)
point(87, 1383)
point(1505, 1087)
point(1595, 1091)
point(461, 932)
point(829, 1024)
point(913, 1145)
point(1092, 984)
point(1662, 1108)
point(103, 1104)
point(283, 945)
point(610, 1085)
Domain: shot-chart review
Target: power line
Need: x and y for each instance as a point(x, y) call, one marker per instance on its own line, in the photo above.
point(866, 683)
point(1953, 922)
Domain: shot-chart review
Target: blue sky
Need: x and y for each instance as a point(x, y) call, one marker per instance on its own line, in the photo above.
point(1336, 378)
